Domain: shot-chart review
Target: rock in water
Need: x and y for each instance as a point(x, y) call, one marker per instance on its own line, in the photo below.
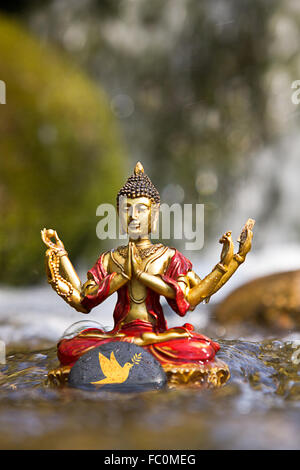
point(272, 300)
point(117, 366)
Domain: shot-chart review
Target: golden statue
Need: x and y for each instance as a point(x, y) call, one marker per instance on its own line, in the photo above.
point(141, 272)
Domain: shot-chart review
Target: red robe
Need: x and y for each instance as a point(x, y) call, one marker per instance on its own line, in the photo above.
point(197, 348)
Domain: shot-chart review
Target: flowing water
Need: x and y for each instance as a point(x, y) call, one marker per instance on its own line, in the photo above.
point(259, 407)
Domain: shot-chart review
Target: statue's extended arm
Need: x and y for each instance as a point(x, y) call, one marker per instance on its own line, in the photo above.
point(157, 284)
point(90, 287)
point(245, 242)
point(60, 272)
point(118, 280)
point(225, 269)
point(186, 283)
point(194, 289)
point(63, 277)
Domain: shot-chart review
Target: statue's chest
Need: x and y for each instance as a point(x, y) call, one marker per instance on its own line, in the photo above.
point(155, 263)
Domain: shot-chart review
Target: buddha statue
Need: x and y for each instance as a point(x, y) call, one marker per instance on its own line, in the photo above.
point(140, 273)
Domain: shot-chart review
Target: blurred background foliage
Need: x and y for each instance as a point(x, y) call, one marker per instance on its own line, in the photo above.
point(61, 154)
point(199, 89)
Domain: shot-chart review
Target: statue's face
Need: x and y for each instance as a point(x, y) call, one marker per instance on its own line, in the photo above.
point(135, 216)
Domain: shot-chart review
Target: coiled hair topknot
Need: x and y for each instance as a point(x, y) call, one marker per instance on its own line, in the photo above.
point(139, 185)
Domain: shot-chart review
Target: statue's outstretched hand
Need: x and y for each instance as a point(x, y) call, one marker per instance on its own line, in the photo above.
point(52, 241)
point(245, 239)
point(228, 248)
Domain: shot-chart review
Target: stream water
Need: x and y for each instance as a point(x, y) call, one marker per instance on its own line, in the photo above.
point(258, 408)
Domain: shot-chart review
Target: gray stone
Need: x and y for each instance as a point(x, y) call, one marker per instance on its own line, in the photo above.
point(119, 367)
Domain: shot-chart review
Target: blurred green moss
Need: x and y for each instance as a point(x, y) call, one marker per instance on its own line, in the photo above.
point(60, 155)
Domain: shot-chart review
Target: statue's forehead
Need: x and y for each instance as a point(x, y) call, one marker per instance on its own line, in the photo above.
point(137, 200)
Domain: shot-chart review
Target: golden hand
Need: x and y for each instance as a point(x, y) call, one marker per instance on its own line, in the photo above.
point(56, 245)
point(60, 271)
point(245, 239)
point(228, 249)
